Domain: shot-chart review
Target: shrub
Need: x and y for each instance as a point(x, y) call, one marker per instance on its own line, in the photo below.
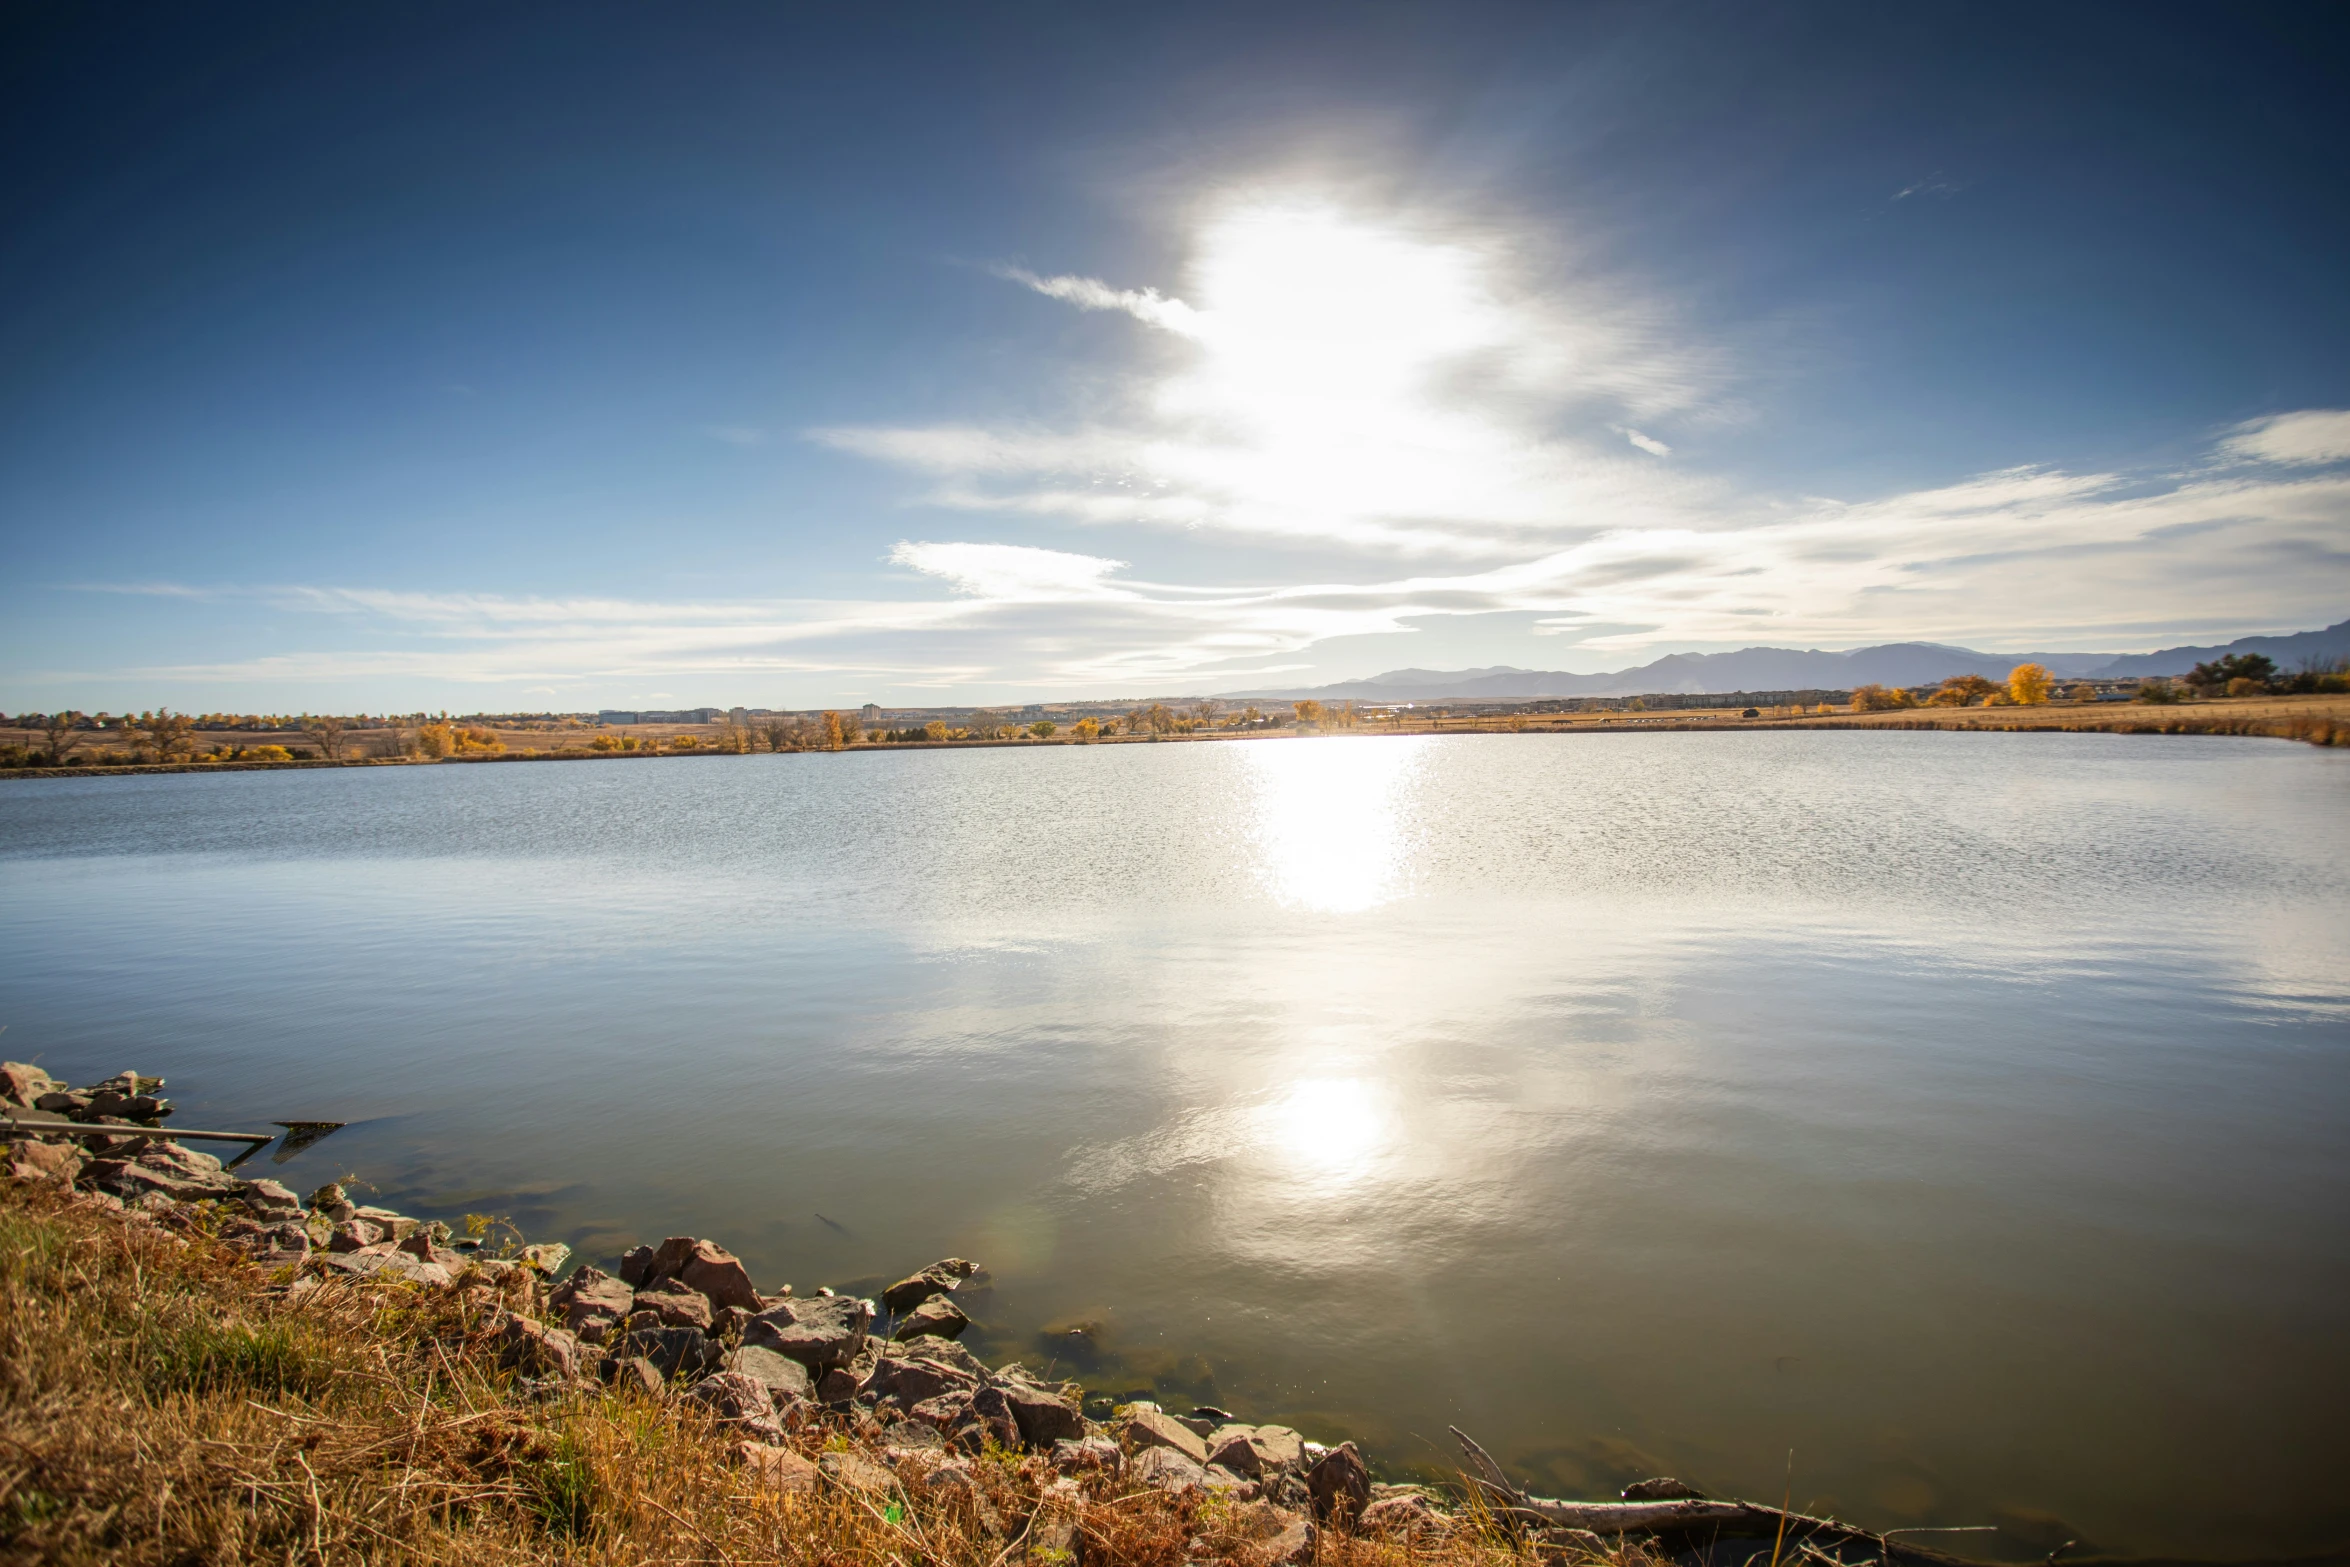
point(2157, 692)
point(436, 740)
point(1044, 729)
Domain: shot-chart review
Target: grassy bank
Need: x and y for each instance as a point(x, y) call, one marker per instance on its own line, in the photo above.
point(164, 1401)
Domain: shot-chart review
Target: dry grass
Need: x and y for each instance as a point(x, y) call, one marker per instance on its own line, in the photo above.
point(164, 1402)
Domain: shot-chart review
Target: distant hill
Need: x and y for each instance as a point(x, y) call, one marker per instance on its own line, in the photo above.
point(1792, 669)
point(2288, 651)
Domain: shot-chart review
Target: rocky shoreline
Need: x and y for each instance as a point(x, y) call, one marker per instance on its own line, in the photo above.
point(831, 1393)
point(683, 1322)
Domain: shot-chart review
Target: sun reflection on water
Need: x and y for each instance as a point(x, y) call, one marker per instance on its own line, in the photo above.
point(1328, 1130)
point(1328, 825)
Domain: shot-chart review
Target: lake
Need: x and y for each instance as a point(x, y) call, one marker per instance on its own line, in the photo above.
point(1963, 1114)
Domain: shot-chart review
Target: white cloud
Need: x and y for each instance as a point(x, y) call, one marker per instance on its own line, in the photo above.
point(2023, 556)
point(1647, 443)
point(1384, 385)
point(2309, 438)
point(1144, 304)
point(1012, 573)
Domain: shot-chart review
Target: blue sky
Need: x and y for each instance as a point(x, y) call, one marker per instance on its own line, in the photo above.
point(580, 356)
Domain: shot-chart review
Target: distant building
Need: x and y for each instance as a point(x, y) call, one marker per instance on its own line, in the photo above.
point(870, 711)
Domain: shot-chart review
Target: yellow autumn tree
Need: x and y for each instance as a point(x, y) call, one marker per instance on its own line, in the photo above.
point(2028, 685)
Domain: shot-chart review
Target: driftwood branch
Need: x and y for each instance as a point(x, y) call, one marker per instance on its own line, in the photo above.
point(1685, 1516)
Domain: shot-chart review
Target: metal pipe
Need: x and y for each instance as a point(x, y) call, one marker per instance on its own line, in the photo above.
point(17, 1123)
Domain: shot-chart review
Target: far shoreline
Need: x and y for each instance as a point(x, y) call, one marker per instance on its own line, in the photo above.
point(2321, 720)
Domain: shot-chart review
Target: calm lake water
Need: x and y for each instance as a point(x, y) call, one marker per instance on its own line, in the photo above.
point(1966, 1114)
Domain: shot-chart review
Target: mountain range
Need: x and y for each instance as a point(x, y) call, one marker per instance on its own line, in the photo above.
point(1796, 669)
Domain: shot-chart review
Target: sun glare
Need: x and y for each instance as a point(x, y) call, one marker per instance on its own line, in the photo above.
point(1329, 820)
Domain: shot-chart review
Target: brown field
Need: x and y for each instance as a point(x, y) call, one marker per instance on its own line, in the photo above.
point(2320, 719)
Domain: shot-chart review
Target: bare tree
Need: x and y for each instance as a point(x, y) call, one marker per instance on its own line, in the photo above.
point(330, 733)
point(57, 727)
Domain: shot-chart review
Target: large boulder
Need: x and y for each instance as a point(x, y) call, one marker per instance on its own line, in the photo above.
point(856, 1472)
point(740, 1401)
point(1143, 1428)
point(946, 1410)
point(270, 1244)
point(942, 1351)
point(783, 1377)
point(421, 1245)
point(31, 1160)
point(396, 1226)
point(268, 1198)
point(1340, 1484)
point(534, 1349)
point(1044, 1417)
point(703, 1266)
point(633, 1374)
point(939, 1278)
point(937, 1317)
point(177, 1172)
point(720, 1276)
point(820, 1333)
point(991, 1421)
point(591, 1303)
point(1256, 1451)
point(1166, 1469)
point(1404, 1517)
point(356, 1235)
point(912, 1381)
point(674, 1304)
point(382, 1261)
point(778, 1468)
point(1279, 1537)
point(675, 1351)
point(22, 1084)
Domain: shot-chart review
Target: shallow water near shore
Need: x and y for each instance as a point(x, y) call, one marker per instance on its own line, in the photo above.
point(1964, 1113)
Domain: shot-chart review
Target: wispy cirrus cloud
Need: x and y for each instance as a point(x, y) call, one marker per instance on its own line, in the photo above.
point(2308, 438)
point(2219, 546)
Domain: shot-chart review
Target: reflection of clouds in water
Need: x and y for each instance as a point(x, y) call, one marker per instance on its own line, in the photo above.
point(1327, 820)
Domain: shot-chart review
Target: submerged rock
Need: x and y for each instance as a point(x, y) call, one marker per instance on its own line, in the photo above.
point(937, 1317)
point(939, 1278)
point(1663, 1488)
